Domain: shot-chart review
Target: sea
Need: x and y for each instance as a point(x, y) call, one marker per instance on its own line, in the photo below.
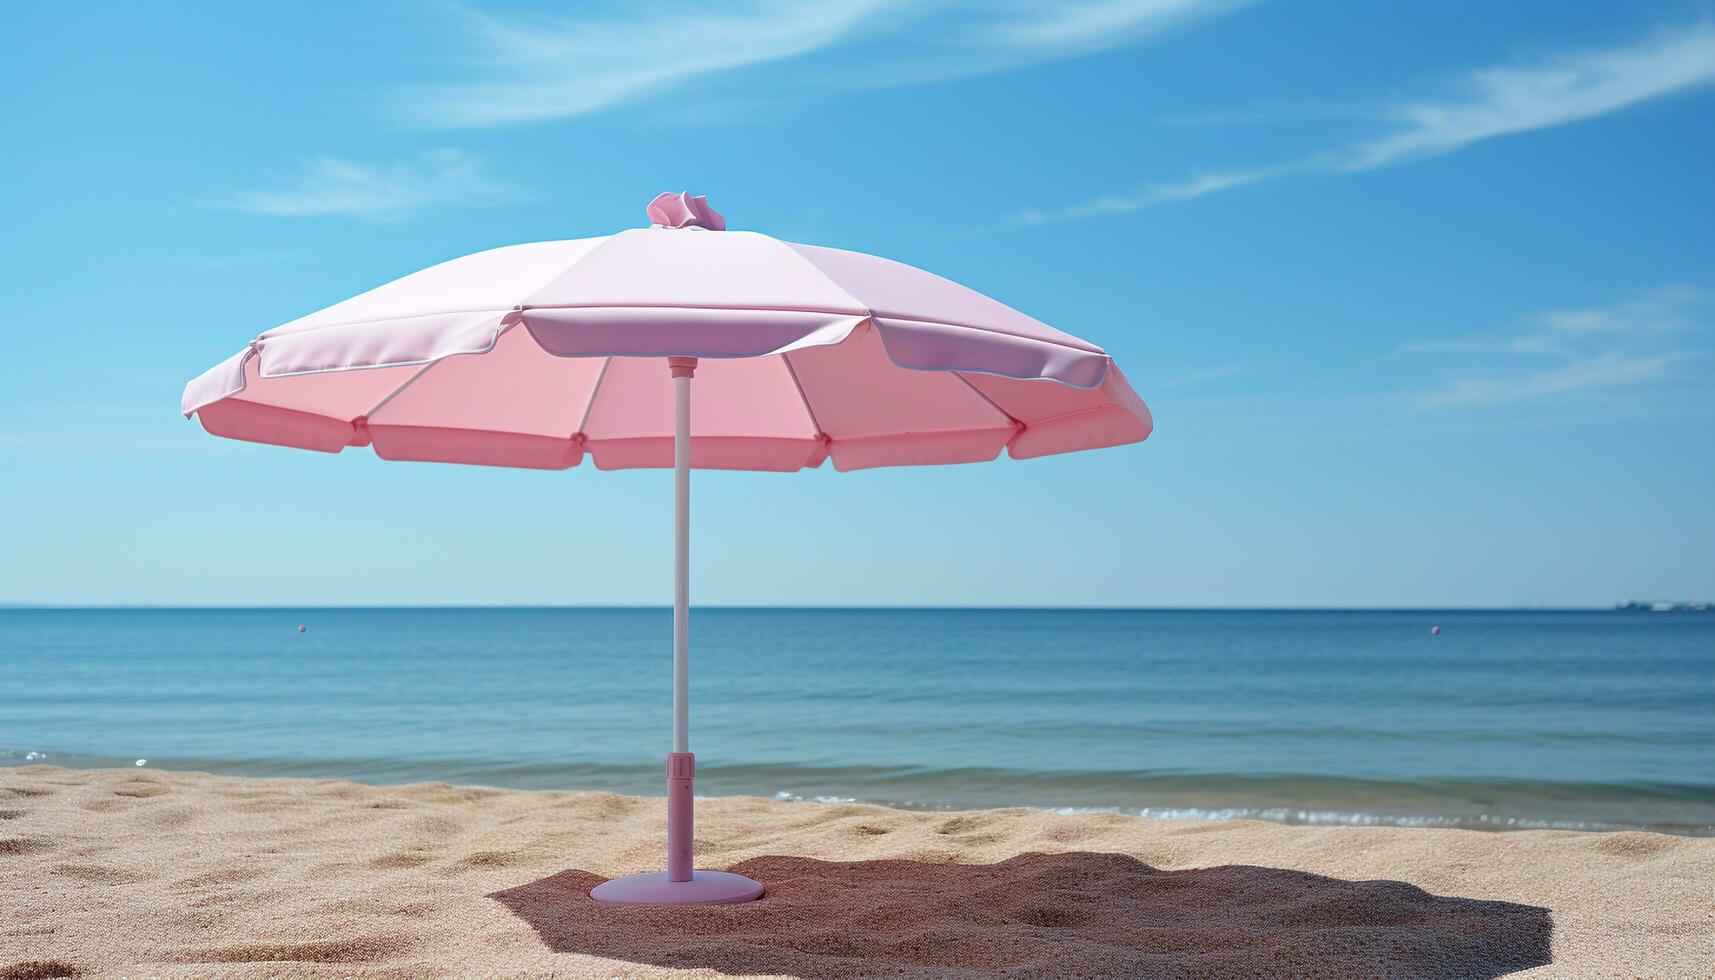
point(1493, 720)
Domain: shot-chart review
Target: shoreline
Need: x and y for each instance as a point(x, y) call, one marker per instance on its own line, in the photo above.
point(1489, 805)
point(302, 877)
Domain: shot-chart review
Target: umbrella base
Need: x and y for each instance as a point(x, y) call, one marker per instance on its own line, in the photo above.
point(704, 888)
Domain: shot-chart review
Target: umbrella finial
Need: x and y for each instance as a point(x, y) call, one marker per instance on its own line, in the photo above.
point(684, 210)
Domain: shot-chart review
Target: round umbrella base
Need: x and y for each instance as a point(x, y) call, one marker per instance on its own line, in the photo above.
point(704, 888)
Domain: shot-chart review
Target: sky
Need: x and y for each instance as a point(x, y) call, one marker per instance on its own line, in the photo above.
point(1422, 296)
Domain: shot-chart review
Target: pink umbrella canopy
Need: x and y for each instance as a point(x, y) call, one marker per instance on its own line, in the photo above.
point(536, 355)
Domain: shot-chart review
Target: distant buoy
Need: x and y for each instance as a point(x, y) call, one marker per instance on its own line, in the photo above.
point(1433, 630)
point(301, 627)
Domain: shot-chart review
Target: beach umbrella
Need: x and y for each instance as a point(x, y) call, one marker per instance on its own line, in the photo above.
point(538, 355)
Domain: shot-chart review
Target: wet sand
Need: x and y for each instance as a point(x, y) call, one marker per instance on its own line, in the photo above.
point(141, 872)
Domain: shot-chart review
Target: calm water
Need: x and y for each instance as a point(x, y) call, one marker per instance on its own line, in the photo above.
point(1505, 719)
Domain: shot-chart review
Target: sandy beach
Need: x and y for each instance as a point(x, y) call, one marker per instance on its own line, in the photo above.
point(151, 873)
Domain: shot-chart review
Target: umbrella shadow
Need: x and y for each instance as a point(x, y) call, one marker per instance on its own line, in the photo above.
point(1070, 914)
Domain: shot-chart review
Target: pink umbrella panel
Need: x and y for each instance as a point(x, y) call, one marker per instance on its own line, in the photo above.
point(535, 355)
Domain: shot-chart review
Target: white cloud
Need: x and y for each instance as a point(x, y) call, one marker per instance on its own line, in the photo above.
point(1564, 89)
point(331, 186)
point(556, 67)
point(1203, 376)
point(1091, 24)
point(1483, 104)
point(1563, 353)
point(1577, 375)
point(534, 68)
point(1197, 185)
point(1660, 310)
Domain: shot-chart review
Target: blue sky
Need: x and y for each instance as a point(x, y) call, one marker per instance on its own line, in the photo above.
point(1422, 296)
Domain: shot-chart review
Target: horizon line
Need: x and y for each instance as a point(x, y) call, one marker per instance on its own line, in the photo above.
point(97, 607)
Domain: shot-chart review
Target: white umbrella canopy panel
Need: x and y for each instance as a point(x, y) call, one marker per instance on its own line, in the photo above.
point(918, 370)
point(539, 354)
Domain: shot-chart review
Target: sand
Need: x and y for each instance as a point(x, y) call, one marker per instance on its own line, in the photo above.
point(141, 872)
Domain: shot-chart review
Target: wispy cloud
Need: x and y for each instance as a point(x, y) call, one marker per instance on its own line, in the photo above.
point(332, 186)
point(1577, 375)
point(532, 68)
point(1197, 185)
point(1202, 376)
point(529, 68)
point(1083, 24)
point(1570, 352)
point(1564, 89)
point(233, 260)
point(1658, 311)
point(1480, 105)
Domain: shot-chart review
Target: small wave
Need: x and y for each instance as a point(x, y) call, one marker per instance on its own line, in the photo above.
point(795, 798)
point(1349, 818)
point(1288, 815)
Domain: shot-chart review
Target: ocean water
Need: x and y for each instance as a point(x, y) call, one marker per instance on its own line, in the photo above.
point(1504, 720)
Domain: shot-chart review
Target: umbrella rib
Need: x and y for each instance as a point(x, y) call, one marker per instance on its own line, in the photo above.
point(787, 359)
point(408, 382)
point(1016, 422)
point(589, 406)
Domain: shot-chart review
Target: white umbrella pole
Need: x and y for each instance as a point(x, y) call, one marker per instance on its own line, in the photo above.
point(680, 885)
point(681, 764)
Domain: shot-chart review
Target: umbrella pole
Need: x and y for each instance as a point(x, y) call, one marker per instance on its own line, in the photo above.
point(681, 764)
point(680, 884)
